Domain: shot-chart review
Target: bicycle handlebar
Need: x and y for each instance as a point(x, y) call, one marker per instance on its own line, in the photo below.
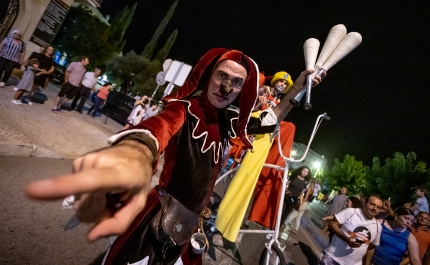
point(317, 124)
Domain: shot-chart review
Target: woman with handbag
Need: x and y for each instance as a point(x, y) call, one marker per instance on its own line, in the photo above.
point(12, 52)
point(301, 207)
point(295, 186)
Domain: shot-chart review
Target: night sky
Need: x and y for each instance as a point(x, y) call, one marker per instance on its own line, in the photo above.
point(377, 96)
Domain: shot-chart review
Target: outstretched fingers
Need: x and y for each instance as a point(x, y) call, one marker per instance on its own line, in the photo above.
point(88, 180)
point(120, 221)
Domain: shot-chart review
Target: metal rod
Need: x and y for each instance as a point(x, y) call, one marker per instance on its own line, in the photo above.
point(155, 91)
point(257, 231)
point(226, 174)
point(170, 86)
point(308, 87)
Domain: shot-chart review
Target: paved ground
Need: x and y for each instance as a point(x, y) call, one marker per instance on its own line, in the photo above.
point(33, 230)
point(68, 133)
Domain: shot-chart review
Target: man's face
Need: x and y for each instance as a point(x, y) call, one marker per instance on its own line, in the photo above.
point(16, 36)
point(85, 62)
point(343, 190)
point(280, 85)
point(423, 219)
point(373, 206)
point(226, 71)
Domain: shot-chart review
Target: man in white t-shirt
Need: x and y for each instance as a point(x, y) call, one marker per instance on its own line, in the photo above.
point(354, 229)
point(88, 83)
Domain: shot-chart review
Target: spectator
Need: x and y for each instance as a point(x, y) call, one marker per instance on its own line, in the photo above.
point(396, 238)
point(152, 110)
point(354, 229)
point(296, 186)
point(337, 204)
point(88, 84)
point(386, 210)
point(26, 83)
point(317, 190)
point(351, 202)
point(138, 112)
point(421, 204)
point(421, 232)
point(46, 64)
point(12, 52)
point(100, 98)
point(296, 214)
point(72, 80)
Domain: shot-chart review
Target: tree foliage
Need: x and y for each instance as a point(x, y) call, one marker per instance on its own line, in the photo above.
point(349, 173)
point(148, 51)
point(119, 25)
point(82, 33)
point(164, 52)
point(397, 178)
point(135, 73)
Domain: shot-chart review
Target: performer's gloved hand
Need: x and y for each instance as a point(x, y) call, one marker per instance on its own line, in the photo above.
point(300, 82)
point(124, 169)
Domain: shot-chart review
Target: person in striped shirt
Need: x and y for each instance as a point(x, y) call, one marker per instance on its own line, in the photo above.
point(12, 52)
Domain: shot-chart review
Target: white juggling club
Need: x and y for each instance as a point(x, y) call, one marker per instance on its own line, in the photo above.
point(337, 45)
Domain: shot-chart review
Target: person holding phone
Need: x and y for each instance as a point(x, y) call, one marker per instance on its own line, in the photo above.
point(354, 229)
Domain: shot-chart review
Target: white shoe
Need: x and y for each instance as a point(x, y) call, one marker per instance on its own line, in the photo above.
point(2, 84)
point(17, 102)
point(29, 102)
point(68, 202)
point(15, 89)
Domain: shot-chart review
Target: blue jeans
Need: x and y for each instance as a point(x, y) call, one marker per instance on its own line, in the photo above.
point(96, 106)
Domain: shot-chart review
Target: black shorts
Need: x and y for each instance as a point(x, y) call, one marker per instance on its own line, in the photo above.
point(68, 90)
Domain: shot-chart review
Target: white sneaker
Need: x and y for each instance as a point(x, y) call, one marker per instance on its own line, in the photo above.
point(2, 84)
point(17, 102)
point(15, 89)
point(29, 102)
point(68, 202)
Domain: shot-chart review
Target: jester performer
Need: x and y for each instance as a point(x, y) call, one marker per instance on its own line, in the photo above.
point(252, 178)
point(192, 130)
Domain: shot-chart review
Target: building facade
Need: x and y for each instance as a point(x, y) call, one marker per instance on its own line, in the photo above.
point(36, 19)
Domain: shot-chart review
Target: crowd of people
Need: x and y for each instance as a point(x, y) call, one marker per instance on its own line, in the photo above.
point(144, 107)
point(77, 86)
point(367, 231)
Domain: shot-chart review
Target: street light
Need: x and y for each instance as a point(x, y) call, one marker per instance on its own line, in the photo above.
point(293, 153)
point(317, 165)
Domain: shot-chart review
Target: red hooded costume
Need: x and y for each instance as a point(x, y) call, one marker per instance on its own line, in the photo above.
point(192, 134)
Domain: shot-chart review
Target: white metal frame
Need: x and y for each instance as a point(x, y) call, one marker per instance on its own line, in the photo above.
point(274, 234)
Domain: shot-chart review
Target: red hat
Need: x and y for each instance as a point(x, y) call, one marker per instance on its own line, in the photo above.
point(201, 73)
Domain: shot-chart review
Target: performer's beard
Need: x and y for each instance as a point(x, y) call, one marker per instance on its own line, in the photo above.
point(225, 88)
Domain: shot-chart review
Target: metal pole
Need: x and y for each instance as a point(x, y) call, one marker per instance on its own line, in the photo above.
point(170, 86)
point(153, 94)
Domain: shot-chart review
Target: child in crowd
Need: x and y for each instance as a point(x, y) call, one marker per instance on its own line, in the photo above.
point(27, 81)
point(100, 98)
point(421, 204)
